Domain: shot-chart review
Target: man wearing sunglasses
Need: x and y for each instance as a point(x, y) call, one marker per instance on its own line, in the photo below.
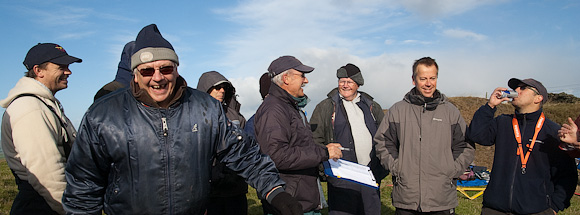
point(149, 149)
point(531, 175)
point(228, 190)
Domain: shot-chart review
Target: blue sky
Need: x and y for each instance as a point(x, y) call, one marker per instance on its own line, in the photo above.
point(478, 44)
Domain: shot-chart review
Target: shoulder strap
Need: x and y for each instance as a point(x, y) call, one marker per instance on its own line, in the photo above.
point(67, 147)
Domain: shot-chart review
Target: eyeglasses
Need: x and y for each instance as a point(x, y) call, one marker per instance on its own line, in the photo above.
point(166, 70)
point(301, 75)
point(523, 87)
point(345, 82)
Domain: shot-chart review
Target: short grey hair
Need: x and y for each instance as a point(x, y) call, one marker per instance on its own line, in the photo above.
point(278, 78)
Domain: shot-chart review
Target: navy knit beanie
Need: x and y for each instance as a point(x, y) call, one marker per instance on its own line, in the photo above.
point(151, 46)
point(351, 71)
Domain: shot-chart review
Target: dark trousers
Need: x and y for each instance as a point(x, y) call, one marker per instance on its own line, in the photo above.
point(489, 211)
point(28, 201)
point(400, 211)
point(235, 205)
point(349, 198)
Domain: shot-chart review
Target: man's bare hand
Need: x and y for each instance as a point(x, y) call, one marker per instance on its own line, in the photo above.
point(334, 151)
point(495, 98)
point(569, 133)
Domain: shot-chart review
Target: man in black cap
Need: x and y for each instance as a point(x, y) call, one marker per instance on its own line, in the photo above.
point(284, 134)
point(350, 117)
point(149, 149)
point(531, 175)
point(36, 134)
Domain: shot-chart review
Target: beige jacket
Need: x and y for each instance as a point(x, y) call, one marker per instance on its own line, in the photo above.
point(32, 139)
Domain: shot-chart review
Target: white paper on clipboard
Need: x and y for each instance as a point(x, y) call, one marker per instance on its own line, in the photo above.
point(351, 171)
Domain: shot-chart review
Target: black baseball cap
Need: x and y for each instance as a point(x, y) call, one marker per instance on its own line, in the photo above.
point(285, 63)
point(48, 52)
point(515, 83)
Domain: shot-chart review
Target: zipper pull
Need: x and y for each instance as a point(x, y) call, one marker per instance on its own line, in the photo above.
point(165, 130)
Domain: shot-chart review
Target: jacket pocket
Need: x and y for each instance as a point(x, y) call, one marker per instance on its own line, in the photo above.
point(292, 182)
point(113, 189)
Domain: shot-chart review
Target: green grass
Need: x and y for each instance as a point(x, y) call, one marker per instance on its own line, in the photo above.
point(469, 207)
point(8, 187)
point(466, 206)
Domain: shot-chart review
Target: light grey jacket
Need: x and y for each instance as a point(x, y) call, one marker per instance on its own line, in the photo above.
point(33, 138)
point(423, 144)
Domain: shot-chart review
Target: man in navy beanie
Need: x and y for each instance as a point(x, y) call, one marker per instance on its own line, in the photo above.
point(148, 149)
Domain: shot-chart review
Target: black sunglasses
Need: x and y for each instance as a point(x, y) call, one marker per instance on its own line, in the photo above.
point(166, 70)
point(225, 86)
point(523, 87)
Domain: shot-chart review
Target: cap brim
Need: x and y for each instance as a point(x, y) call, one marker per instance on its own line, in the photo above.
point(514, 83)
point(221, 82)
point(304, 68)
point(65, 60)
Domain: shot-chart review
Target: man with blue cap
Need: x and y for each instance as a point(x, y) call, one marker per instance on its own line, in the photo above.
point(36, 134)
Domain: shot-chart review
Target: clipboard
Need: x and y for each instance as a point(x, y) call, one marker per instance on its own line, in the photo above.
point(350, 171)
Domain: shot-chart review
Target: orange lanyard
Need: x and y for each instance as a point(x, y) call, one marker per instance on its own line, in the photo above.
point(520, 150)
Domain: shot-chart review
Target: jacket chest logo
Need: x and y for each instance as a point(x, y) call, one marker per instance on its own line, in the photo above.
point(438, 120)
point(194, 129)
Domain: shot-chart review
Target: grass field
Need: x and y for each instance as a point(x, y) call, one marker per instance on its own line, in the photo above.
point(466, 206)
point(483, 157)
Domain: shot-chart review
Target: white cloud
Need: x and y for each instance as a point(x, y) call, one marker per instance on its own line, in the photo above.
point(416, 42)
point(60, 16)
point(463, 34)
point(330, 34)
point(76, 35)
point(389, 42)
point(433, 10)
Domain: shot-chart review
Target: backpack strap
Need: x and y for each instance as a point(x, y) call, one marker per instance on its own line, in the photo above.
point(66, 146)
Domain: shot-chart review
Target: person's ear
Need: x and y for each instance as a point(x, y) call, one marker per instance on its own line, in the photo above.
point(285, 78)
point(38, 72)
point(538, 99)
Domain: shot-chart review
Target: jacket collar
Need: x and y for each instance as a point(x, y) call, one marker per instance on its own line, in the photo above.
point(415, 97)
point(281, 94)
point(335, 96)
point(529, 116)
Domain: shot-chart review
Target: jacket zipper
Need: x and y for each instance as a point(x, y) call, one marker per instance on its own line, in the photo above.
point(420, 155)
point(167, 165)
point(165, 130)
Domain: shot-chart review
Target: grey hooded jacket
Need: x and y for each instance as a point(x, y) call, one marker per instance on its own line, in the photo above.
point(225, 182)
point(230, 103)
point(423, 144)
